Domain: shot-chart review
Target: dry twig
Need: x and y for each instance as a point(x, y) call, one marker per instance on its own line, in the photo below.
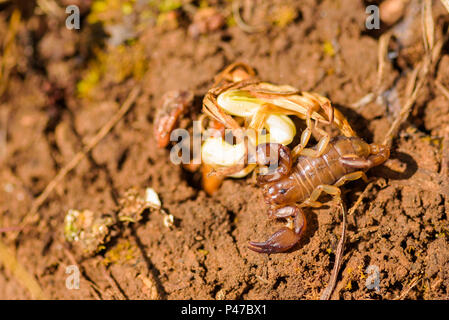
point(413, 284)
point(338, 258)
point(361, 197)
point(382, 60)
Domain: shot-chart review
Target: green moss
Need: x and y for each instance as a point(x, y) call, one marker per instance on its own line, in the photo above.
point(123, 252)
point(114, 66)
point(88, 82)
point(230, 21)
point(110, 11)
point(169, 5)
point(98, 7)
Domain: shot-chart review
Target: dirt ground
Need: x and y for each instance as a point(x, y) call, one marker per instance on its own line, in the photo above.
point(61, 87)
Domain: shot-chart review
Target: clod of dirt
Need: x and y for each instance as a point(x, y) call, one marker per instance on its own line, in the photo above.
point(206, 20)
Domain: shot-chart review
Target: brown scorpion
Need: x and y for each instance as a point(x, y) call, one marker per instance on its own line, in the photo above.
point(295, 184)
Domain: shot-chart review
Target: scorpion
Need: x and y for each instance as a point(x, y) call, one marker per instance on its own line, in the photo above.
point(295, 178)
point(303, 181)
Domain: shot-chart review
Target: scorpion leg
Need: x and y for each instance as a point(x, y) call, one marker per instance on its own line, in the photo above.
point(286, 237)
point(350, 177)
point(235, 72)
point(301, 149)
point(312, 201)
point(308, 152)
point(259, 118)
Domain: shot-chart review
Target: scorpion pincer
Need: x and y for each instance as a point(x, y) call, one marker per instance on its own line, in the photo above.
point(297, 183)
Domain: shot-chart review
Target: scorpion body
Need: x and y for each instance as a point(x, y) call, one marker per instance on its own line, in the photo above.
point(295, 184)
point(307, 173)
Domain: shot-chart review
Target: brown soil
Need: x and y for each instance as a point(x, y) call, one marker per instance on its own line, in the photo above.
point(401, 225)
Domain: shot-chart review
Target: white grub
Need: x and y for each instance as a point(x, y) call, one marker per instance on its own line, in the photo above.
point(217, 152)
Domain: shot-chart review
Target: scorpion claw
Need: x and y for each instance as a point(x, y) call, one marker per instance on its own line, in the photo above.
point(280, 241)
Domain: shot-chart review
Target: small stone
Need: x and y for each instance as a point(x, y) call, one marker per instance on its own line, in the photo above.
point(152, 199)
